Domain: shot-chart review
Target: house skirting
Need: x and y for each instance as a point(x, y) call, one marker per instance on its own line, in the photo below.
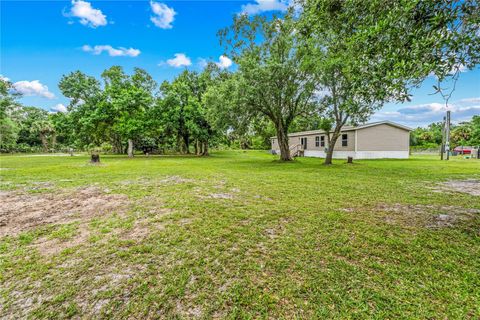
point(358, 154)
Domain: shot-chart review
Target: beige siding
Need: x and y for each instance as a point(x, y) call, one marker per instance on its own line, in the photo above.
point(275, 144)
point(383, 138)
point(311, 142)
point(350, 141)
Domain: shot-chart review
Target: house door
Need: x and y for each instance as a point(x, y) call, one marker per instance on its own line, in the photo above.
point(303, 142)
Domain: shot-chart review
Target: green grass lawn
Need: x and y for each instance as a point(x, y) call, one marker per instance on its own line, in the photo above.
point(238, 235)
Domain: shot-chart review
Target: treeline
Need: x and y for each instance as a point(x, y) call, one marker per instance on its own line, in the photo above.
point(321, 65)
point(463, 134)
point(122, 113)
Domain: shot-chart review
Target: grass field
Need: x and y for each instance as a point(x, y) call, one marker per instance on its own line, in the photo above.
point(238, 235)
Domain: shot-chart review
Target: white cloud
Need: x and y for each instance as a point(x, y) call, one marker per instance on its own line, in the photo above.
point(59, 108)
point(261, 6)
point(112, 52)
point(180, 60)
point(470, 100)
point(202, 62)
point(88, 16)
point(424, 114)
point(4, 78)
point(33, 88)
point(164, 15)
point(224, 62)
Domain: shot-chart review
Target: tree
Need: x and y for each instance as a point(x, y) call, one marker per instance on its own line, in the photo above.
point(202, 127)
point(174, 110)
point(46, 131)
point(126, 100)
point(114, 114)
point(270, 81)
point(64, 128)
point(461, 134)
point(8, 104)
point(475, 138)
point(88, 124)
point(183, 109)
point(8, 134)
point(27, 119)
point(367, 53)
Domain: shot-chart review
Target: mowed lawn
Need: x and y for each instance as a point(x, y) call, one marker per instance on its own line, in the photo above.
point(238, 235)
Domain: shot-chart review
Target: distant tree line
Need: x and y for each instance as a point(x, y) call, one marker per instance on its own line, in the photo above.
point(321, 65)
point(465, 133)
point(171, 118)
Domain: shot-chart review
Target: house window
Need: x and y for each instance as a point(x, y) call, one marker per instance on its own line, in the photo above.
point(317, 141)
point(322, 141)
point(344, 140)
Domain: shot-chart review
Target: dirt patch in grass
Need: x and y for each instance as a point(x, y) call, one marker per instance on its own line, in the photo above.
point(470, 186)
point(221, 196)
point(278, 230)
point(430, 216)
point(21, 212)
point(188, 312)
point(148, 182)
point(174, 180)
point(48, 246)
point(141, 230)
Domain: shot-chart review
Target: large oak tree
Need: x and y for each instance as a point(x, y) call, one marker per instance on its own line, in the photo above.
point(270, 81)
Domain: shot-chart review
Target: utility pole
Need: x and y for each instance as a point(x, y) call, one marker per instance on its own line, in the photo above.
point(447, 135)
point(442, 147)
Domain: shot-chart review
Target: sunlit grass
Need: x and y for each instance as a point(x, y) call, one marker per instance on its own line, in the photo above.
point(241, 235)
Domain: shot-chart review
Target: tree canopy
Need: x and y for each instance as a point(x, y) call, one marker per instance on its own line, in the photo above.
point(320, 65)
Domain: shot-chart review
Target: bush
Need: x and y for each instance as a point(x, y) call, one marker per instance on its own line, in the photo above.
point(106, 148)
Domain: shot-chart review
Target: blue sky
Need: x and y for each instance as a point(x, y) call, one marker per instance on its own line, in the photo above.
point(42, 40)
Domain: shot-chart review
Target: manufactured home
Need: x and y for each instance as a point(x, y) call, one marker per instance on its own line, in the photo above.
point(383, 139)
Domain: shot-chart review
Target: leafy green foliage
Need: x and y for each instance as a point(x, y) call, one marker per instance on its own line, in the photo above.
point(330, 63)
point(463, 134)
point(367, 53)
point(270, 81)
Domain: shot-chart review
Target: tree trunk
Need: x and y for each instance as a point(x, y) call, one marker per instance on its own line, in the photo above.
point(44, 142)
point(331, 146)
point(186, 141)
point(195, 145)
point(205, 148)
point(54, 141)
point(179, 143)
point(130, 148)
point(282, 138)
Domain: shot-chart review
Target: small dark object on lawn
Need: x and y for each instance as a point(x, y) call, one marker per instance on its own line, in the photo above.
point(350, 160)
point(95, 158)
